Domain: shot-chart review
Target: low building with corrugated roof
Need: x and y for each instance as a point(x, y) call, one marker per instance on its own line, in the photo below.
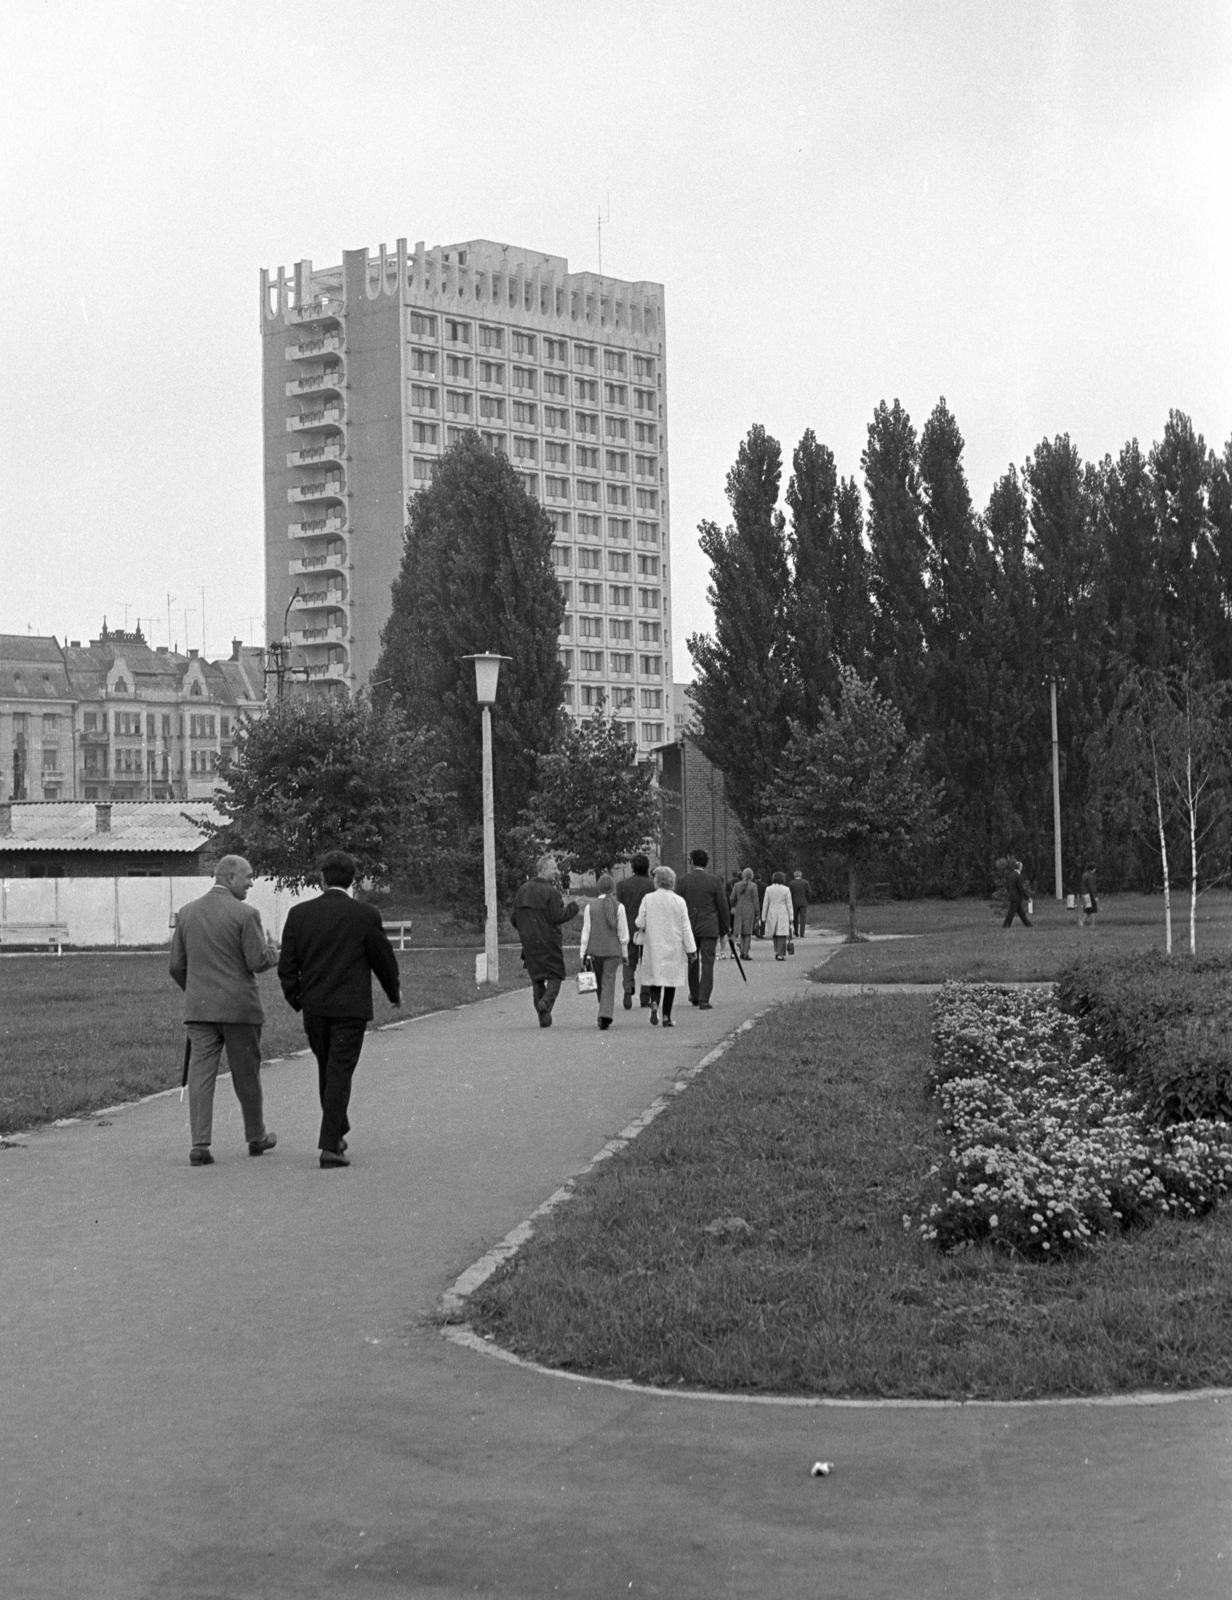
point(106, 839)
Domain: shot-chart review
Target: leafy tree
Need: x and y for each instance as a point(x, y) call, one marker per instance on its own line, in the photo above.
point(477, 575)
point(897, 554)
point(1187, 563)
point(745, 685)
point(594, 806)
point(854, 787)
point(318, 773)
point(1129, 535)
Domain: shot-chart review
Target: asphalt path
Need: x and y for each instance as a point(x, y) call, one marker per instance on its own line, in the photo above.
point(226, 1382)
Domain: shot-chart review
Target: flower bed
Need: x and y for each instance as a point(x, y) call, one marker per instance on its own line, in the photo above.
point(1048, 1150)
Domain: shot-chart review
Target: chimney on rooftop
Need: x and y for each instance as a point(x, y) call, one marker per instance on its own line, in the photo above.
point(74, 644)
point(102, 816)
point(236, 646)
point(6, 819)
point(193, 654)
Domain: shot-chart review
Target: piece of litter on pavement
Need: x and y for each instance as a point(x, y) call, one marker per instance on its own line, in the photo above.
point(821, 1469)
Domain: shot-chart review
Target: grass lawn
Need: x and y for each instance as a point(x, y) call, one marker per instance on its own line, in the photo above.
point(85, 1031)
point(964, 939)
point(815, 1133)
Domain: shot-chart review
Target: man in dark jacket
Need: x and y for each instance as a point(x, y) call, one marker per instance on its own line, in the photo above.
point(799, 887)
point(710, 919)
point(1019, 896)
point(630, 892)
point(331, 948)
point(538, 914)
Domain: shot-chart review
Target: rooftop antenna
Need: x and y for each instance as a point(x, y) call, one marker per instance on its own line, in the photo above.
point(603, 220)
point(170, 598)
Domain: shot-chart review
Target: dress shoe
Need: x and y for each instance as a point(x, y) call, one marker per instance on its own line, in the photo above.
point(668, 1023)
point(545, 1019)
point(705, 1006)
point(654, 1015)
point(334, 1158)
point(628, 1002)
point(645, 1004)
point(605, 1022)
point(199, 1156)
point(258, 1147)
point(692, 1002)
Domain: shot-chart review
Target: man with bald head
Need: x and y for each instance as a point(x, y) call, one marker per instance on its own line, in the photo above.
point(217, 950)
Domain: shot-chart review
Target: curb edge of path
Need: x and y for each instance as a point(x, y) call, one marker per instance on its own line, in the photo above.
point(454, 1326)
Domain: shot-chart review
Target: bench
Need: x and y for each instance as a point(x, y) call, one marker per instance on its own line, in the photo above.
point(399, 933)
point(24, 933)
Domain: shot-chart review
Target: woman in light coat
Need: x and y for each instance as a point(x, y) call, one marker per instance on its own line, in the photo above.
point(777, 914)
point(667, 943)
point(605, 938)
point(744, 910)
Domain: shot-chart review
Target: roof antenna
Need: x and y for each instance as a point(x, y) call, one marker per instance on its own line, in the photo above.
point(602, 220)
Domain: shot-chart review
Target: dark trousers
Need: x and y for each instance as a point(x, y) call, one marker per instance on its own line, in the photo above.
point(632, 956)
point(336, 1043)
point(544, 991)
point(701, 971)
point(668, 993)
point(801, 919)
point(1017, 909)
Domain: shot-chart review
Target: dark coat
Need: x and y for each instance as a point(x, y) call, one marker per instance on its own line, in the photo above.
point(799, 892)
point(538, 912)
point(1019, 894)
point(703, 893)
point(331, 949)
point(631, 891)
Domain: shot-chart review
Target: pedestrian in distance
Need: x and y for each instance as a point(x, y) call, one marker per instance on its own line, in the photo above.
point(667, 943)
point(217, 949)
point(605, 938)
point(1088, 899)
point(800, 891)
point(1019, 897)
point(332, 948)
point(631, 891)
point(745, 905)
point(777, 914)
point(710, 920)
point(538, 914)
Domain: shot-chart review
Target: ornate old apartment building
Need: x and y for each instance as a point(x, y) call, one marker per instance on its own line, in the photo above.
point(117, 720)
point(372, 368)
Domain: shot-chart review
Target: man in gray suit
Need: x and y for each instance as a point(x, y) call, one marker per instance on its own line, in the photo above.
point(217, 950)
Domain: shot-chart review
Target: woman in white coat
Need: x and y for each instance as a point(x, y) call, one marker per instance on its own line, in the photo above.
point(777, 914)
point(667, 943)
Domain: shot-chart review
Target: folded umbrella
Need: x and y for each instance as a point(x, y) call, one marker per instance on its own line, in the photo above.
point(184, 1075)
point(732, 945)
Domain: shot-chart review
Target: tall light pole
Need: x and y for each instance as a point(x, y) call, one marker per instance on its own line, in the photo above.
point(487, 673)
point(1056, 797)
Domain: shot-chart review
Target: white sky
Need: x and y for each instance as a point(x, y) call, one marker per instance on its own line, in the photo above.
point(1022, 206)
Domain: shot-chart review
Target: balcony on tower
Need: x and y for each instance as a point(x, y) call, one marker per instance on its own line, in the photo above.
point(328, 416)
point(321, 597)
point(327, 308)
point(321, 382)
point(310, 345)
point(328, 486)
point(325, 633)
point(309, 455)
point(332, 559)
point(334, 521)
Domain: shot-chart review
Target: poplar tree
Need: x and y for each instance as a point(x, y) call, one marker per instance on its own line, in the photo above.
point(746, 681)
point(897, 555)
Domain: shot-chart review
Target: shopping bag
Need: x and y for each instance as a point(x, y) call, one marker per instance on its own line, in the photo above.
point(587, 981)
point(791, 945)
point(1030, 908)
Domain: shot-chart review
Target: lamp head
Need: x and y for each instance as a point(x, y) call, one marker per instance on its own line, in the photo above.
point(487, 673)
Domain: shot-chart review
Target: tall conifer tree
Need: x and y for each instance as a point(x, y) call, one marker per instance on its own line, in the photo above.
point(897, 555)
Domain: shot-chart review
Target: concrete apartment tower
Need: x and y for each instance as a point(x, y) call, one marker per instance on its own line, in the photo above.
point(372, 368)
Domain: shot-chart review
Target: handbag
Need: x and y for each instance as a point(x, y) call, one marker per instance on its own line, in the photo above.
point(587, 981)
point(791, 944)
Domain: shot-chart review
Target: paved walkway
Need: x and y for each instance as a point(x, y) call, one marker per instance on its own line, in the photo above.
point(221, 1383)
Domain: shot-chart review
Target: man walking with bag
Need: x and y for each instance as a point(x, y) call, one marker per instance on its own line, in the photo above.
point(331, 949)
point(538, 914)
point(709, 918)
point(217, 950)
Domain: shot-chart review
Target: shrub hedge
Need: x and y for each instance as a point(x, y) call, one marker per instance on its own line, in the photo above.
point(1163, 1024)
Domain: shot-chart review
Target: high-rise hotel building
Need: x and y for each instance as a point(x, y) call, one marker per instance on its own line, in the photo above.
point(372, 368)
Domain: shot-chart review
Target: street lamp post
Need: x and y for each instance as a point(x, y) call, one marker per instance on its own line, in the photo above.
point(487, 672)
point(1056, 798)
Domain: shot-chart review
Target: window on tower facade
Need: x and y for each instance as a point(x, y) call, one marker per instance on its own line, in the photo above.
point(524, 378)
point(422, 325)
point(614, 363)
point(458, 367)
point(491, 338)
point(457, 332)
point(523, 344)
point(525, 413)
point(586, 355)
point(492, 406)
point(423, 361)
